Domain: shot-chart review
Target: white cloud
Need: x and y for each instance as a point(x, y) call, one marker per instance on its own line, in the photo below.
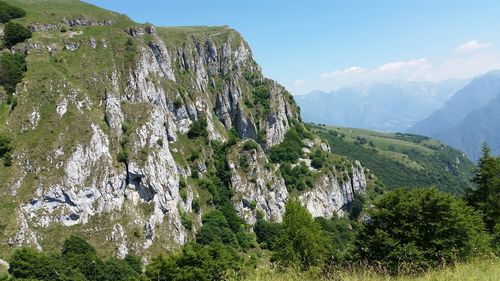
point(298, 83)
point(400, 65)
point(472, 45)
point(407, 70)
point(348, 71)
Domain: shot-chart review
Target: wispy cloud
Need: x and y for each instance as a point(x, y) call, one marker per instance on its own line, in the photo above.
point(387, 71)
point(455, 66)
point(472, 45)
point(400, 65)
point(298, 82)
point(348, 71)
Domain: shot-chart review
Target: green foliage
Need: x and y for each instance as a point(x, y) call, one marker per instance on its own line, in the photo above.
point(301, 242)
point(186, 220)
point(298, 178)
point(12, 69)
point(340, 239)
point(198, 129)
point(318, 159)
point(77, 261)
point(75, 245)
point(290, 149)
point(243, 163)
point(195, 262)
point(215, 228)
point(6, 148)
point(178, 102)
point(420, 228)
point(388, 161)
point(15, 33)
point(134, 262)
point(8, 12)
point(267, 233)
point(357, 205)
point(250, 145)
point(486, 198)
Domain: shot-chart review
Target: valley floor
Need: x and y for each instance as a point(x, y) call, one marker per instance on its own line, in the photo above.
point(478, 270)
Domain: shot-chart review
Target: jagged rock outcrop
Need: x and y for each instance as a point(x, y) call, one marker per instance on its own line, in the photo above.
point(105, 122)
point(331, 195)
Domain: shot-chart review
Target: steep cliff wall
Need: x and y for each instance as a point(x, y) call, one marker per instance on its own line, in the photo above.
point(106, 143)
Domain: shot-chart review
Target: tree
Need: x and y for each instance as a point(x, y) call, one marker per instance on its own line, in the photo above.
point(8, 12)
point(195, 262)
point(301, 242)
point(15, 33)
point(486, 198)
point(198, 128)
point(12, 69)
point(420, 228)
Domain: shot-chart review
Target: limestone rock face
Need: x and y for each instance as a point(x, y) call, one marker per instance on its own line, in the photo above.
point(259, 188)
point(330, 196)
point(105, 145)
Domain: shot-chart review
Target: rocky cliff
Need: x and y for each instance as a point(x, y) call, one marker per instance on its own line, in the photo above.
point(116, 125)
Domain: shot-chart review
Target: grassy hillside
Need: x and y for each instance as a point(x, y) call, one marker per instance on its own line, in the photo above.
point(480, 270)
point(402, 160)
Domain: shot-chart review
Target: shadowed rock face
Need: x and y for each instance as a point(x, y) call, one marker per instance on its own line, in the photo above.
point(139, 91)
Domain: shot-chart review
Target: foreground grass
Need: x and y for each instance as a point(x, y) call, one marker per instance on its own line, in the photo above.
point(478, 270)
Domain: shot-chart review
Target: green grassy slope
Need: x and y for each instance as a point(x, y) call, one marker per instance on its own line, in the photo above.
point(402, 160)
point(479, 270)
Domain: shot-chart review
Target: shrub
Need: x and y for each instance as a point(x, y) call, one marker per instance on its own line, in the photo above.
point(250, 145)
point(290, 149)
point(357, 205)
point(15, 33)
point(340, 239)
point(298, 177)
point(12, 69)
point(420, 228)
point(6, 148)
point(186, 220)
point(178, 102)
point(267, 233)
point(8, 12)
point(301, 242)
point(198, 129)
point(195, 262)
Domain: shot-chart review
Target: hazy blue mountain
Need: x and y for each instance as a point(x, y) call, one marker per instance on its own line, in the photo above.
point(479, 126)
point(469, 118)
point(475, 95)
point(390, 106)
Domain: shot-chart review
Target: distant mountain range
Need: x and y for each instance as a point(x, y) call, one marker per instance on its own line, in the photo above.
point(469, 118)
point(390, 106)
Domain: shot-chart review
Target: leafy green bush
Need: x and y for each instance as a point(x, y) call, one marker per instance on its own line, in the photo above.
point(267, 233)
point(196, 262)
point(198, 129)
point(12, 69)
point(301, 242)
point(340, 239)
point(290, 149)
point(298, 178)
point(356, 206)
point(250, 145)
point(8, 12)
point(419, 229)
point(6, 148)
point(78, 261)
point(15, 33)
point(318, 159)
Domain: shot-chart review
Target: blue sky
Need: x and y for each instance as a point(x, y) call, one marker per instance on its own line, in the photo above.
point(322, 44)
